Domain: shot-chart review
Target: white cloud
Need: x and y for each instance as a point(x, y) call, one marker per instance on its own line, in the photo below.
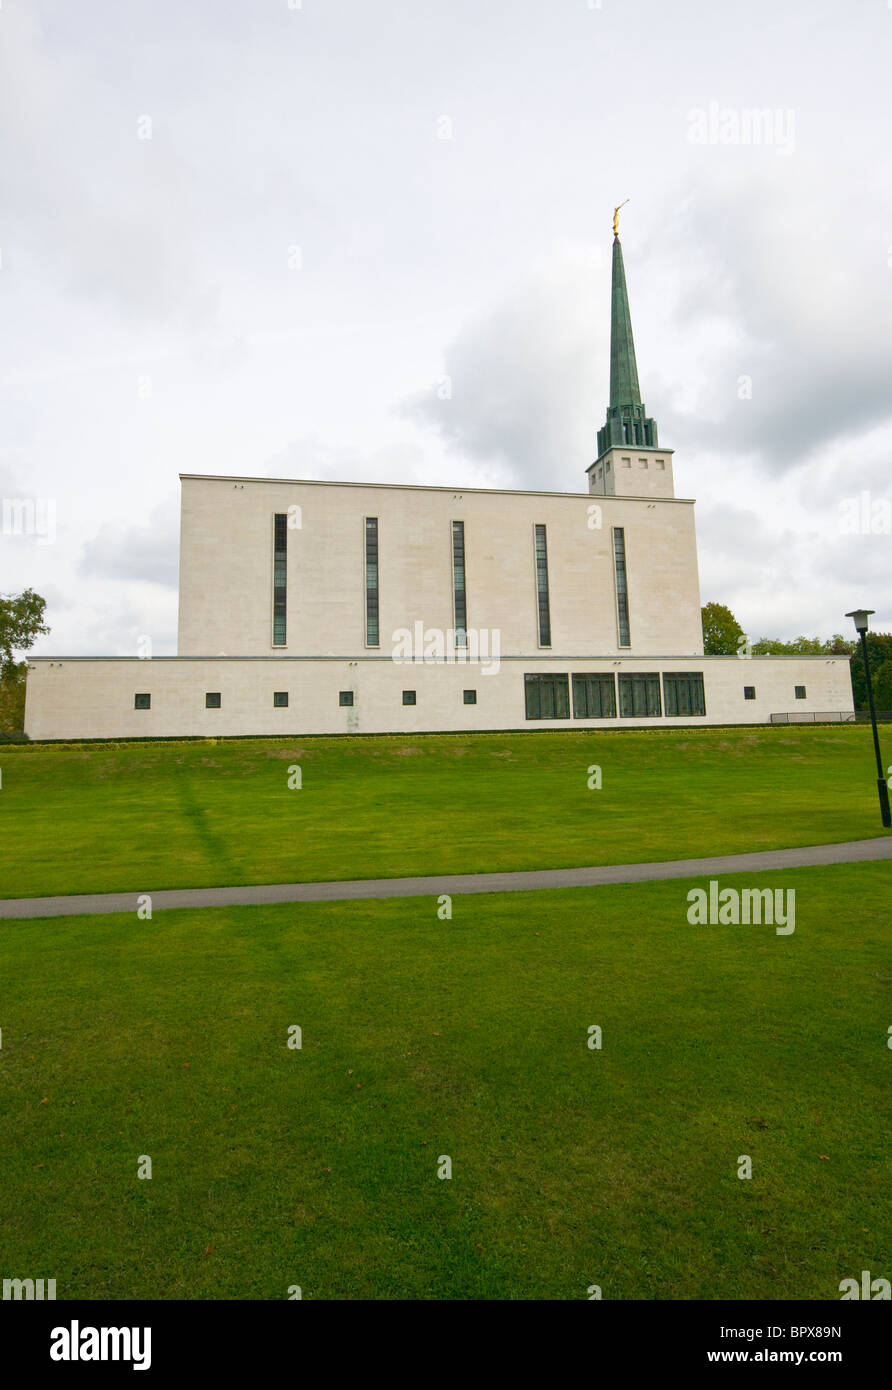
point(145, 552)
point(471, 257)
point(521, 381)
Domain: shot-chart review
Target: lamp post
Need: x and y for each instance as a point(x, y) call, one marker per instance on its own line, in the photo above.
point(859, 617)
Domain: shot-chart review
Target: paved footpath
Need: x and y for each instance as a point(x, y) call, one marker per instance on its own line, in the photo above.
point(851, 851)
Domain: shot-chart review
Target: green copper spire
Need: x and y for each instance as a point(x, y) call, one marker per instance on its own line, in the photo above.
point(624, 388)
point(627, 421)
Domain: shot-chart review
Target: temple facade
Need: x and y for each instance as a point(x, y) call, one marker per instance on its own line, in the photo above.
point(320, 608)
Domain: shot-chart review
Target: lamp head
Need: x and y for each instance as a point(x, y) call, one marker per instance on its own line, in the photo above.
point(859, 616)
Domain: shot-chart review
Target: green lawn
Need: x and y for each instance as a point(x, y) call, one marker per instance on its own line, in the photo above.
point(82, 818)
point(467, 1038)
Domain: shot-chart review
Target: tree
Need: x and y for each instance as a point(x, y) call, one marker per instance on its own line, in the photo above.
point(837, 645)
point(21, 623)
point(882, 686)
point(721, 631)
point(879, 651)
point(12, 702)
point(807, 646)
point(800, 646)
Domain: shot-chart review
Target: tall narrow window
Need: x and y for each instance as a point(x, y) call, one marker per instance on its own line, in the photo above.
point(459, 588)
point(372, 633)
point(542, 588)
point(622, 588)
point(280, 576)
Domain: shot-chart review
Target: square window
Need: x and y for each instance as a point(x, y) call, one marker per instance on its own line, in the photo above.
point(683, 693)
point(749, 692)
point(639, 696)
point(547, 697)
point(661, 464)
point(280, 699)
point(408, 697)
point(212, 699)
point(345, 698)
point(142, 702)
point(594, 696)
point(800, 692)
point(642, 463)
point(470, 697)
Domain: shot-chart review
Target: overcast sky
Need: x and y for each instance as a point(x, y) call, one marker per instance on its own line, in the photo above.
point(254, 237)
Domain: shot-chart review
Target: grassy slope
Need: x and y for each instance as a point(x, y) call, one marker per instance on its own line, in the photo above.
point(467, 1038)
point(76, 819)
